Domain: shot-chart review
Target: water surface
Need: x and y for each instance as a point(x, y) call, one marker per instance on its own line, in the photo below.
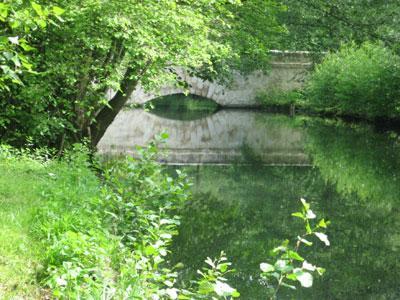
point(350, 174)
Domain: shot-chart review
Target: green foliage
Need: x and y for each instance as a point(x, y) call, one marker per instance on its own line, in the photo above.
point(320, 25)
point(290, 266)
point(110, 238)
point(104, 45)
point(20, 180)
point(19, 20)
point(358, 160)
point(280, 98)
point(361, 81)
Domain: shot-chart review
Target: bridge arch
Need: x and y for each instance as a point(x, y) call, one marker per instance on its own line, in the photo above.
point(288, 71)
point(197, 87)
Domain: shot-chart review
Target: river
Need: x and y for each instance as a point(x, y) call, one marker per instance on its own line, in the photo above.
point(250, 169)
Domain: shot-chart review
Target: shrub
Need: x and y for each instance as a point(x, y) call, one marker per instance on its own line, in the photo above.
point(361, 81)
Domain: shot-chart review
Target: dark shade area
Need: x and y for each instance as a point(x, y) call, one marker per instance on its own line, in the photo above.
point(182, 107)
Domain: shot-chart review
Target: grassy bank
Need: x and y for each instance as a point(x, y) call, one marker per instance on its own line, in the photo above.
point(20, 185)
point(68, 233)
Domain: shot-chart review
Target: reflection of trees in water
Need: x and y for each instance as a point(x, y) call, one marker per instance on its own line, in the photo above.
point(357, 160)
point(182, 107)
point(246, 212)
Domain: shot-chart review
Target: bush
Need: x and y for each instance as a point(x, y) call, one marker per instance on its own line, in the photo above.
point(361, 81)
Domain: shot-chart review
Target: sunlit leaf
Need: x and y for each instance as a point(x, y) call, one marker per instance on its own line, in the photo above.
point(305, 278)
point(303, 240)
point(309, 267)
point(323, 237)
point(14, 40)
point(298, 215)
point(305, 204)
point(223, 289)
point(310, 214)
point(38, 8)
point(294, 255)
point(322, 223)
point(266, 267)
point(321, 271)
point(58, 10)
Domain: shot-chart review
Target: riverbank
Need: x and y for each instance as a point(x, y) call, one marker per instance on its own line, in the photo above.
point(293, 103)
point(67, 233)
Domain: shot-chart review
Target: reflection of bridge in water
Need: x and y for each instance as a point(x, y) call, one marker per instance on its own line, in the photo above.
point(224, 137)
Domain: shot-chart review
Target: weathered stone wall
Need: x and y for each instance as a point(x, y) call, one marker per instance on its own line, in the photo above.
point(288, 70)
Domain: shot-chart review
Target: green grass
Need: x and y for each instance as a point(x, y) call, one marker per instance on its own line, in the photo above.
point(67, 234)
point(19, 254)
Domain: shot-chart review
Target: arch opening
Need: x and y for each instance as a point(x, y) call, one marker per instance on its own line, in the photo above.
point(183, 107)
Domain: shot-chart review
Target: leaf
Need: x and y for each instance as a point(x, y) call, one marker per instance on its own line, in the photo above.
point(321, 271)
point(223, 289)
point(37, 8)
point(14, 40)
point(322, 223)
point(305, 279)
point(305, 204)
point(26, 46)
point(166, 236)
point(295, 255)
point(298, 215)
point(58, 11)
point(308, 228)
point(283, 266)
point(235, 294)
point(310, 214)
point(291, 277)
point(206, 287)
point(304, 241)
point(172, 293)
point(309, 267)
point(210, 262)
point(3, 11)
point(323, 237)
point(150, 250)
point(223, 267)
point(41, 23)
point(266, 267)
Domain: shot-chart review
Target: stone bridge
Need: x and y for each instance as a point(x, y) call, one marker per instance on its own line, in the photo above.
point(288, 71)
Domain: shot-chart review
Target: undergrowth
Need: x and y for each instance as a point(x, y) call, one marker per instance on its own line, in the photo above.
point(107, 237)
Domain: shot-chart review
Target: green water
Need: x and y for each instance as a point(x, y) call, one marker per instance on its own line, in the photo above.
point(182, 107)
point(353, 182)
point(349, 172)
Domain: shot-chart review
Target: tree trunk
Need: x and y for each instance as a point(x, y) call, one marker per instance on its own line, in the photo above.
point(107, 115)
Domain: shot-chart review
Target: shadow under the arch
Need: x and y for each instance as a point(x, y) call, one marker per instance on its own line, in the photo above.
point(183, 107)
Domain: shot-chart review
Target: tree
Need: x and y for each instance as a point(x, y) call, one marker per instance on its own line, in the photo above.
point(320, 25)
point(116, 45)
point(19, 20)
